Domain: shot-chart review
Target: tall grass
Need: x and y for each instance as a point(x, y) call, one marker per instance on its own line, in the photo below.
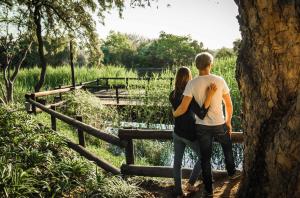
point(57, 76)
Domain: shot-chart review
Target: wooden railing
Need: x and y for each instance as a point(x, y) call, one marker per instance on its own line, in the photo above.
point(127, 79)
point(121, 86)
point(129, 168)
point(123, 140)
point(95, 85)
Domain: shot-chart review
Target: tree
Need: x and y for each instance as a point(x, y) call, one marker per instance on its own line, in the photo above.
point(169, 50)
point(13, 51)
point(118, 49)
point(61, 17)
point(268, 75)
point(224, 52)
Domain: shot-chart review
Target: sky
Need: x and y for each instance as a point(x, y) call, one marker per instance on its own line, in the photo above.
point(213, 22)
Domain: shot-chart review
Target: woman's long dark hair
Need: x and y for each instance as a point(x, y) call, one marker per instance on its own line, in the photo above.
point(183, 76)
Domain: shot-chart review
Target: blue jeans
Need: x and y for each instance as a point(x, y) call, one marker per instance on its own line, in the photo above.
point(179, 147)
point(205, 136)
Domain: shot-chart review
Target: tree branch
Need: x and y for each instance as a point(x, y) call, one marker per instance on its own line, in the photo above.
point(13, 78)
point(59, 15)
point(4, 99)
point(5, 66)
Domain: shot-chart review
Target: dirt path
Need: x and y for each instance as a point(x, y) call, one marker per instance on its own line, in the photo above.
point(222, 188)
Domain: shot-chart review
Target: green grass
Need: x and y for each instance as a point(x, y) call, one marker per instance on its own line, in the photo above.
point(35, 162)
point(57, 76)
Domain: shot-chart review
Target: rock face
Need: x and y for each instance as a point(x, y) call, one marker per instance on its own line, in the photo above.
point(268, 73)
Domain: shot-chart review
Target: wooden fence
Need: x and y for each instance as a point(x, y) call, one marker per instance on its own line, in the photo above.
point(123, 140)
point(121, 86)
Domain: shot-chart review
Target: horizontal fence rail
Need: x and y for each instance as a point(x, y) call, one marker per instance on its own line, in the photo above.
point(55, 91)
point(90, 156)
point(133, 78)
point(126, 134)
point(163, 171)
point(87, 128)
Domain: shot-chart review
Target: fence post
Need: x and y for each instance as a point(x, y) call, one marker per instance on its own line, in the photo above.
point(117, 94)
point(171, 82)
point(126, 82)
point(60, 94)
point(80, 133)
point(53, 119)
point(106, 84)
point(33, 107)
point(129, 152)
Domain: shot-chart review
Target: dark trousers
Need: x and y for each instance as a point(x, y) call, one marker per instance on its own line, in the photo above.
point(205, 135)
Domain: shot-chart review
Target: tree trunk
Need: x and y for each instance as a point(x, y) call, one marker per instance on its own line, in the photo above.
point(268, 74)
point(37, 21)
point(9, 92)
point(72, 64)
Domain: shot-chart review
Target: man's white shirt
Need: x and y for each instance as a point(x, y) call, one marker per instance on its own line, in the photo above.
point(197, 88)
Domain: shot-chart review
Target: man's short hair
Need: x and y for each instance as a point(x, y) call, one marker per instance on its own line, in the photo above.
point(203, 60)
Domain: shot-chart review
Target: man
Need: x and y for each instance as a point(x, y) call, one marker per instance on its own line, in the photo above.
point(214, 125)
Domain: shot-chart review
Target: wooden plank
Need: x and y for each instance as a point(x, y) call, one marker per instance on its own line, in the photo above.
point(236, 137)
point(57, 104)
point(55, 91)
point(162, 171)
point(90, 156)
point(145, 134)
point(105, 87)
point(87, 128)
point(131, 78)
point(83, 83)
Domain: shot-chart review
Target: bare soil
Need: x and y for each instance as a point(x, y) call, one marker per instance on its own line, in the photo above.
point(164, 189)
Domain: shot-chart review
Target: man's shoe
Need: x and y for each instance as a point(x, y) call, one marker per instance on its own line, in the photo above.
point(236, 175)
point(205, 193)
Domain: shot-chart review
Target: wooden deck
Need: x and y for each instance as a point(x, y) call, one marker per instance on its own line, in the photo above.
point(121, 97)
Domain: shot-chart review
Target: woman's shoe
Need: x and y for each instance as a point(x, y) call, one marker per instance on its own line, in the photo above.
point(191, 188)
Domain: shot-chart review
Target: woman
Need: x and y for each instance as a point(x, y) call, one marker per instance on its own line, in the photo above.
point(184, 131)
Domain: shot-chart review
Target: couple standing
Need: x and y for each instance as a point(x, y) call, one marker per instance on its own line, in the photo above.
point(198, 112)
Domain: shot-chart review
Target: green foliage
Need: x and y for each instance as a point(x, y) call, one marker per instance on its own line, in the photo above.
point(155, 152)
point(35, 162)
point(116, 187)
point(90, 108)
point(57, 52)
point(224, 53)
point(118, 49)
point(167, 50)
